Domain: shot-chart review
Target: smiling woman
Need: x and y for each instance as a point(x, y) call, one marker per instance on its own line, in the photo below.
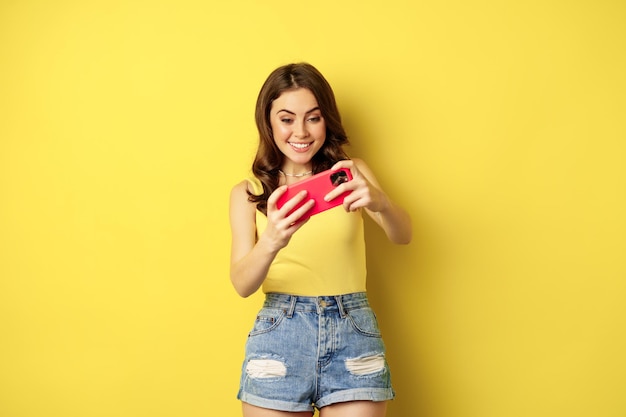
point(315, 342)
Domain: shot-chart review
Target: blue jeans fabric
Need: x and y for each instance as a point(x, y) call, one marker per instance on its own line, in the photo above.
point(306, 352)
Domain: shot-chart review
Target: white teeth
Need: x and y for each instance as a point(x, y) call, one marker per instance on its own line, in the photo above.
point(300, 145)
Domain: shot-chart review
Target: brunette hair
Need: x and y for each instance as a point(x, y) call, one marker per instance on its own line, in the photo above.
point(269, 158)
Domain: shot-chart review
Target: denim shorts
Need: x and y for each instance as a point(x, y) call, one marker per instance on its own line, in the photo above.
point(309, 352)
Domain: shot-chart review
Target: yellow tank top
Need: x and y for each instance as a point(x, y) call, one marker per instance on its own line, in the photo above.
point(326, 256)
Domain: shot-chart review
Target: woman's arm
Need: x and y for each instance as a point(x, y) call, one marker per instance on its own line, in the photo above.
point(250, 259)
point(368, 194)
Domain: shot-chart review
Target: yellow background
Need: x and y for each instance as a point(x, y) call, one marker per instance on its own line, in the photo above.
point(498, 125)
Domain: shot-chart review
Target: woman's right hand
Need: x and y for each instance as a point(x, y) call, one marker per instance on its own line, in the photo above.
point(281, 224)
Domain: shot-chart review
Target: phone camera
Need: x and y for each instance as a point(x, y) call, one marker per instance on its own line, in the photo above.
point(338, 178)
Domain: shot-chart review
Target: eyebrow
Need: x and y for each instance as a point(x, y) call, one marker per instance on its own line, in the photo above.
point(290, 112)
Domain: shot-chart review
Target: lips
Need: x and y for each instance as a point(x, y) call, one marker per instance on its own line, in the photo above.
point(300, 146)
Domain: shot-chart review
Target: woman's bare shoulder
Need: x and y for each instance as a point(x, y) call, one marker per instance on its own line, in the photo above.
point(239, 194)
point(241, 187)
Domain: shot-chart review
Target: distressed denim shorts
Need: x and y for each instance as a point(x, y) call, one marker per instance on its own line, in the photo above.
point(309, 352)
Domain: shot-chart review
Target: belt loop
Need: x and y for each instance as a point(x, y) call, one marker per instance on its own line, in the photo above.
point(292, 307)
point(342, 311)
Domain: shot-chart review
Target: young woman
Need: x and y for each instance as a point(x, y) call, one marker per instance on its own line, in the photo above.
point(315, 342)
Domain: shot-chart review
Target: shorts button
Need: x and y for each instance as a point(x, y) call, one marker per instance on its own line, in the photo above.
point(323, 303)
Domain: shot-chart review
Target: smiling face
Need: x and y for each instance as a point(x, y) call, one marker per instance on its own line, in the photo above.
point(298, 128)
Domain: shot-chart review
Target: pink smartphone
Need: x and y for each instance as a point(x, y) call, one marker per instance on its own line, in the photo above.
point(318, 186)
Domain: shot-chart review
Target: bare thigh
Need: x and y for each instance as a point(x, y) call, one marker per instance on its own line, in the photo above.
point(355, 408)
point(254, 411)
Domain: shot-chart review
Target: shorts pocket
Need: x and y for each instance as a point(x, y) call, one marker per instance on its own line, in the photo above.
point(267, 320)
point(364, 321)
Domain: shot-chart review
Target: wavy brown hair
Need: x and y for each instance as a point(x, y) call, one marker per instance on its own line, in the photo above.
point(269, 158)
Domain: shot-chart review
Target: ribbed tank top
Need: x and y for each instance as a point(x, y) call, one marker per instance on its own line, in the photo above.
point(326, 256)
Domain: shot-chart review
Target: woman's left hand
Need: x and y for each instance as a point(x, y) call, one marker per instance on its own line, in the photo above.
point(363, 194)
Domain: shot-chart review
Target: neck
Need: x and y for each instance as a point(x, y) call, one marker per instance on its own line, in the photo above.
point(302, 174)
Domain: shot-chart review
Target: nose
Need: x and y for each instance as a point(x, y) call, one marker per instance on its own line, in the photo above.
point(300, 131)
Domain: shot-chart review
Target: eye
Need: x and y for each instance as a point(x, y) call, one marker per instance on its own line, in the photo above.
point(315, 119)
point(286, 120)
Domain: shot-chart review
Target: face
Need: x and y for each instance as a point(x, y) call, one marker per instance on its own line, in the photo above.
point(298, 128)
